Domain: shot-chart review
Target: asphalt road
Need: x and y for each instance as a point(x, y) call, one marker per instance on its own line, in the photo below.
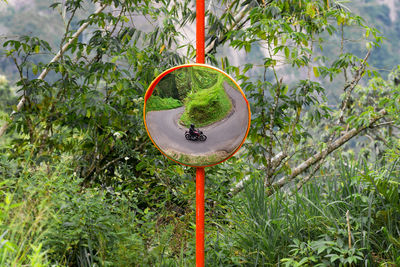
point(223, 136)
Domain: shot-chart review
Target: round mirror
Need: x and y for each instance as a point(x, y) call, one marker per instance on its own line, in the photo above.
point(196, 115)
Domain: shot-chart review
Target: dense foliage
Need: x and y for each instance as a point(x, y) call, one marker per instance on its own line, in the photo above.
point(315, 184)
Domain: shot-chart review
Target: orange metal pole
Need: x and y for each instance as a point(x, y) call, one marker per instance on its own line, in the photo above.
point(200, 217)
point(200, 58)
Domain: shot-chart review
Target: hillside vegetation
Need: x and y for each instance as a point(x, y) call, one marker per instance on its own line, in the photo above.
point(207, 101)
point(316, 182)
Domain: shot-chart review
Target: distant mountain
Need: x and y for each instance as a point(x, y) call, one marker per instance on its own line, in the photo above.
point(385, 16)
point(32, 18)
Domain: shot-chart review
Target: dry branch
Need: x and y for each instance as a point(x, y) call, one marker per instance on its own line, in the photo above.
point(321, 155)
point(275, 161)
point(315, 159)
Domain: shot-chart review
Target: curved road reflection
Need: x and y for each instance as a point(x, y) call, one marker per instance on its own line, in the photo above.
point(222, 137)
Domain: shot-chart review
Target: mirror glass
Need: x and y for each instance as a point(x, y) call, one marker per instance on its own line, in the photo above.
point(196, 115)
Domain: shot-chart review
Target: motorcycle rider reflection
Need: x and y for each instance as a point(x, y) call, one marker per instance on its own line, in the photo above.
point(192, 130)
point(194, 135)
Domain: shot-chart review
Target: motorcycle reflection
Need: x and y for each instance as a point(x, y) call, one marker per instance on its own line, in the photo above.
point(195, 135)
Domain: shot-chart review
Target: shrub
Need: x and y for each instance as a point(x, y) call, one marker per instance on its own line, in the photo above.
point(206, 107)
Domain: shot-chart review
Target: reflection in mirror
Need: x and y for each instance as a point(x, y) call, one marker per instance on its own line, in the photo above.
point(196, 115)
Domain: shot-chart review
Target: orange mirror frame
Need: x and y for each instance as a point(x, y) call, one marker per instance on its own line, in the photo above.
point(196, 115)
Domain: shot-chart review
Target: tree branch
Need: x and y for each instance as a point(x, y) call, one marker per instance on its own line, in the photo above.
point(315, 159)
point(350, 87)
point(275, 161)
point(321, 155)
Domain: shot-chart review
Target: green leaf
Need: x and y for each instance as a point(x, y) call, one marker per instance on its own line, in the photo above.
point(34, 69)
point(367, 32)
point(115, 59)
point(247, 47)
point(285, 90)
point(316, 72)
point(124, 18)
point(287, 52)
point(310, 10)
point(333, 257)
point(303, 261)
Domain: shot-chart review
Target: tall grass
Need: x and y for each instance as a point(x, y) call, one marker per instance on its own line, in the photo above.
point(24, 218)
point(310, 227)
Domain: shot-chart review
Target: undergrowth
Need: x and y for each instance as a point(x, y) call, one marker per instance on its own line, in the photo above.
point(310, 228)
point(48, 219)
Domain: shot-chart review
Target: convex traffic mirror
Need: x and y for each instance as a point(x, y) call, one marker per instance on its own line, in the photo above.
point(196, 115)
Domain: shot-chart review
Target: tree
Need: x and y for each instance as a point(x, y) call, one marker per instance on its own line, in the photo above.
point(100, 82)
point(294, 127)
